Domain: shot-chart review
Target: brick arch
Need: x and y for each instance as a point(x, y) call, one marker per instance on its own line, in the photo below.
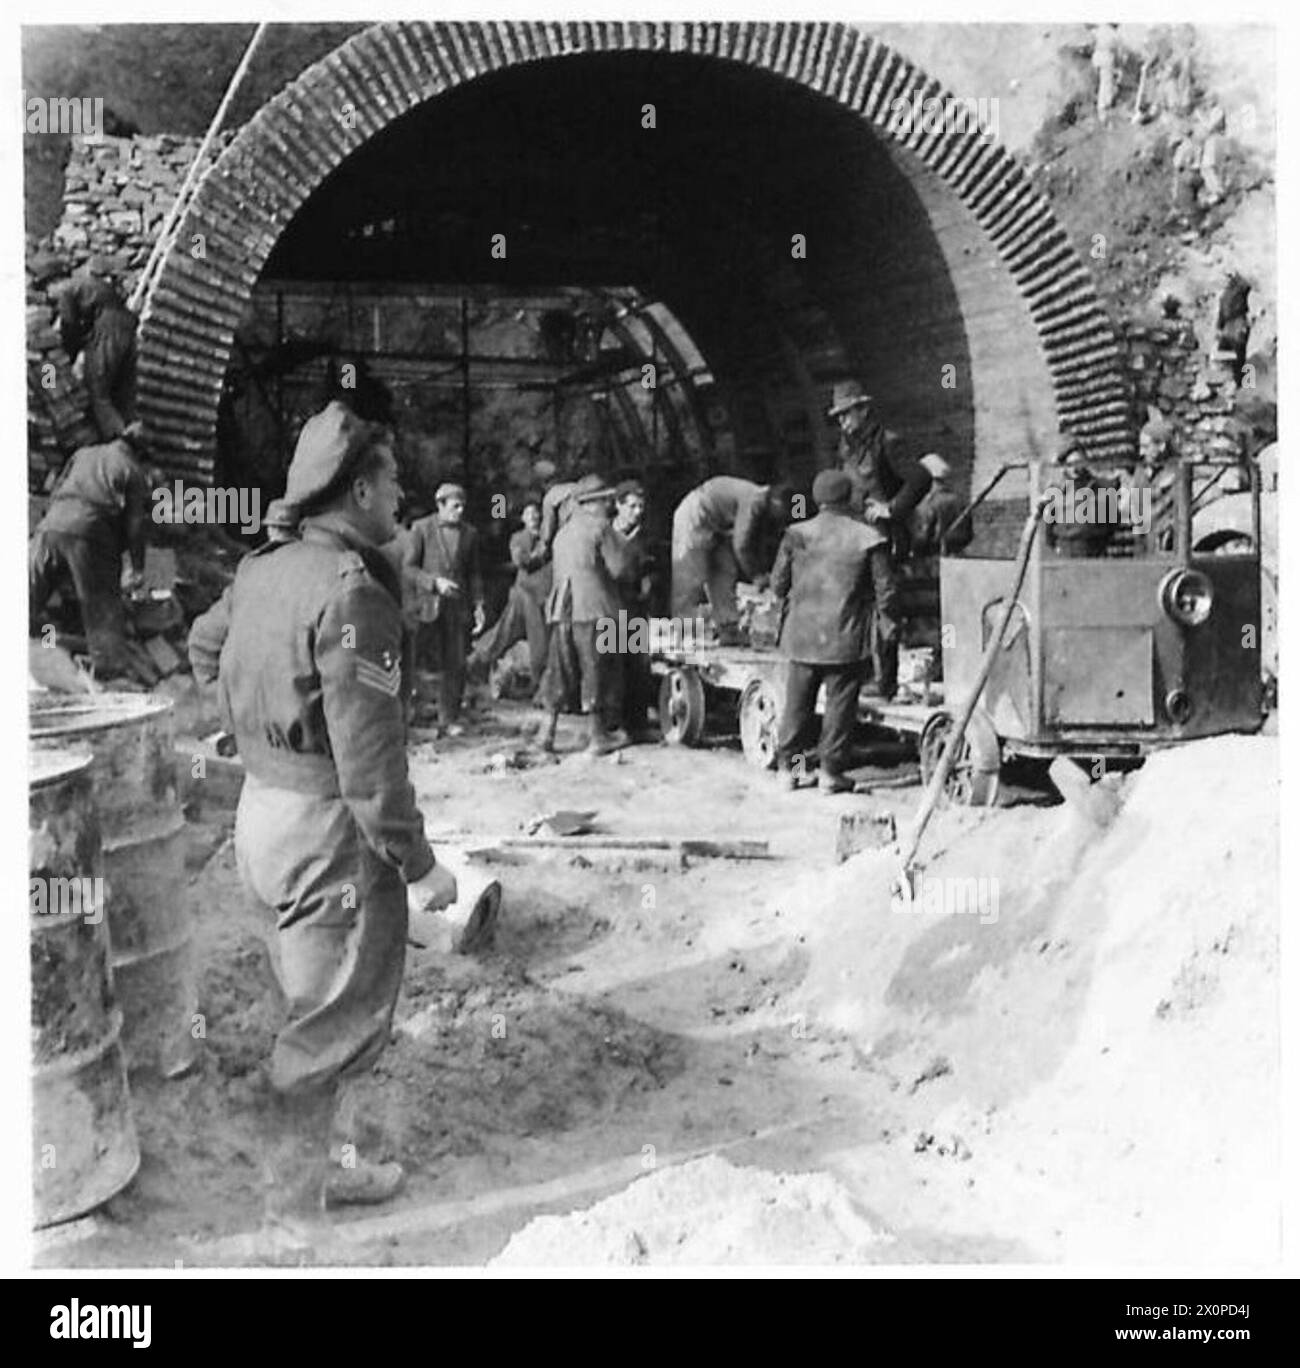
point(331, 111)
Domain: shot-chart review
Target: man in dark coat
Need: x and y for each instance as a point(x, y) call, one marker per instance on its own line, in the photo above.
point(587, 561)
point(444, 545)
point(93, 319)
point(828, 569)
point(328, 834)
point(886, 484)
point(100, 508)
point(637, 684)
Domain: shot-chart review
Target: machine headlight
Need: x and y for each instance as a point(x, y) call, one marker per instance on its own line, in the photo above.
point(1187, 596)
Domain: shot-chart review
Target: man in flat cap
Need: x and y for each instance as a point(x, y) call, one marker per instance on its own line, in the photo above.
point(328, 833)
point(721, 531)
point(587, 563)
point(886, 484)
point(445, 546)
point(828, 571)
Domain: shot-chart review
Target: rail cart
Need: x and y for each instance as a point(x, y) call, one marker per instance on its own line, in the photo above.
point(1104, 658)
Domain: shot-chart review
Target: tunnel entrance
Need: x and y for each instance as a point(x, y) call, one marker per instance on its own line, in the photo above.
point(750, 184)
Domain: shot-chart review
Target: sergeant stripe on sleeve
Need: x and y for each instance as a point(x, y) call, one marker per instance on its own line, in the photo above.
point(375, 677)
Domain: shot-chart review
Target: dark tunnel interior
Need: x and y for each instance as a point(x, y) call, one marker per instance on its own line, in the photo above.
point(699, 212)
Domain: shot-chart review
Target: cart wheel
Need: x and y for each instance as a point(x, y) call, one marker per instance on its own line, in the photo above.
point(681, 708)
point(975, 777)
point(761, 703)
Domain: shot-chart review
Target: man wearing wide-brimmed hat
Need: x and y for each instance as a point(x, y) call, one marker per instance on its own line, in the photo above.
point(886, 486)
point(587, 562)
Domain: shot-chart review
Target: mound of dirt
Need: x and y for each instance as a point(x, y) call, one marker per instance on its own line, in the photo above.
point(705, 1212)
point(1099, 1032)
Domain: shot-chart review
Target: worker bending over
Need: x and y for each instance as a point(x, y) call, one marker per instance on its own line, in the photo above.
point(719, 535)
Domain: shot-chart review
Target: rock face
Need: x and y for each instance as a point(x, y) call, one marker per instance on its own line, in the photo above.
point(117, 193)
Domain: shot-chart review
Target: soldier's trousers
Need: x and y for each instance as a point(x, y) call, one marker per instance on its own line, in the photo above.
point(95, 570)
point(340, 943)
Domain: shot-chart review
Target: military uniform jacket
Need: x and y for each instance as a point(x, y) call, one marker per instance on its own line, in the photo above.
point(823, 571)
point(587, 561)
point(311, 682)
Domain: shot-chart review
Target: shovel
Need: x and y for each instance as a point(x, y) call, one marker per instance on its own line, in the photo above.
point(904, 888)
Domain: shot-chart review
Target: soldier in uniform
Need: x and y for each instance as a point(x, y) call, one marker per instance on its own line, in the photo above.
point(886, 484)
point(327, 832)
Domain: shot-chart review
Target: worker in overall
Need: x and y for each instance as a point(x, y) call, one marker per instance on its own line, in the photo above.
point(100, 508)
point(719, 531)
point(524, 616)
point(828, 570)
point(637, 690)
point(587, 561)
point(886, 486)
point(444, 545)
point(327, 833)
point(96, 326)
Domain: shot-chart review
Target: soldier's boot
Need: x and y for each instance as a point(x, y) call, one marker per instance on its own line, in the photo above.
point(297, 1159)
point(599, 741)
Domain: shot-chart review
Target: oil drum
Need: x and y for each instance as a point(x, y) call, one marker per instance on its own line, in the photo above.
point(84, 1146)
point(143, 830)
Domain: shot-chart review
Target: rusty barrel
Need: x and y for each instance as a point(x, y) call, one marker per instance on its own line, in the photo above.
point(84, 1146)
point(134, 773)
